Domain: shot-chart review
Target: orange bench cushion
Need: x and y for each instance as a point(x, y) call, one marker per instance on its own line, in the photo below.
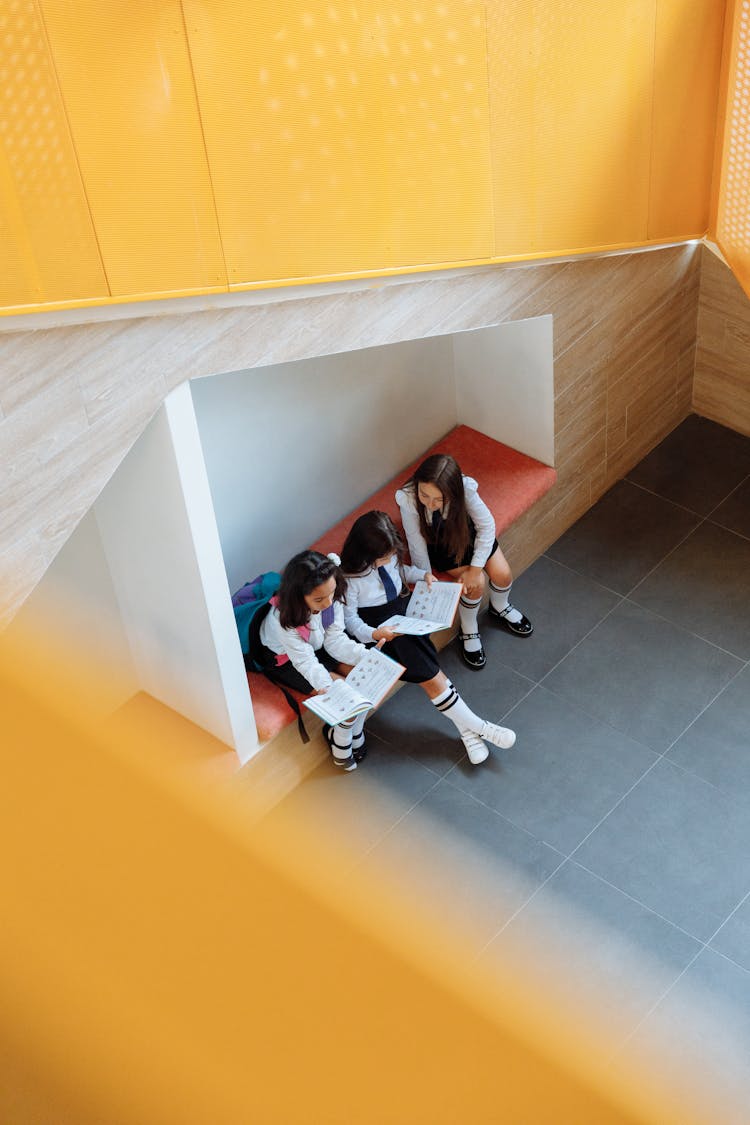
point(509, 483)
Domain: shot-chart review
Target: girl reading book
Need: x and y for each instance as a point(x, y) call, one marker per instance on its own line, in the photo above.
point(449, 528)
point(372, 560)
point(303, 638)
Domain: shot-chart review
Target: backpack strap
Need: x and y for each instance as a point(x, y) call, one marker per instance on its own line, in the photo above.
point(256, 661)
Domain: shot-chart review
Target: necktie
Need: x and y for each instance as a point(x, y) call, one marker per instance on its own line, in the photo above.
point(437, 520)
point(327, 616)
point(388, 586)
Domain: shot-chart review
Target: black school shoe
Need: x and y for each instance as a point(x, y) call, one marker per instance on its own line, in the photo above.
point(522, 628)
point(475, 659)
point(357, 754)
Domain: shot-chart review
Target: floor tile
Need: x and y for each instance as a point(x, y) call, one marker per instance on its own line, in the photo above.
point(597, 949)
point(734, 513)
point(564, 774)
point(354, 810)
point(704, 586)
point(453, 854)
point(717, 746)
point(563, 607)
point(697, 1037)
point(677, 845)
point(410, 722)
point(643, 675)
point(697, 465)
point(733, 939)
point(624, 535)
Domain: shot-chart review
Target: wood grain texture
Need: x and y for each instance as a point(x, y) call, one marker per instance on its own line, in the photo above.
point(74, 399)
point(721, 387)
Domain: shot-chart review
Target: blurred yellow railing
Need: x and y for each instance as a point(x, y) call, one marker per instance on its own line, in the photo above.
point(164, 961)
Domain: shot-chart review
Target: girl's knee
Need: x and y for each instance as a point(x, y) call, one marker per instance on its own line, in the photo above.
point(499, 570)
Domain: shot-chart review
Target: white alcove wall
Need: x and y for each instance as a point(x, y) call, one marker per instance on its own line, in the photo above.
point(292, 448)
point(75, 615)
point(161, 543)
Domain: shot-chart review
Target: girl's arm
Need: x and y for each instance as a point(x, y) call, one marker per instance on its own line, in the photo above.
point(353, 622)
point(341, 647)
point(414, 574)
point(420, 557)
point(299, 651)
point(484, 522)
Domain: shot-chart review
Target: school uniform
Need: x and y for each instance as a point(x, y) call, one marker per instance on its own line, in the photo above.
point(304, 657)
point(435, 554)
point(376, 595)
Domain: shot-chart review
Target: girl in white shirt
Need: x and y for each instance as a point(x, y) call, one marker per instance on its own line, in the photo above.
point(303, 639)
point(372, 560)
point(449, 528)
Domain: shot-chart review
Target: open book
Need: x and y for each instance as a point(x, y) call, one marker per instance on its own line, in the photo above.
point(429, 609)
point(364, 688)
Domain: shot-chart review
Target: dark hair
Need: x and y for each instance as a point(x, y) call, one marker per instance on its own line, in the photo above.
point(444, 472)
point(301, 576)
point(373, 536)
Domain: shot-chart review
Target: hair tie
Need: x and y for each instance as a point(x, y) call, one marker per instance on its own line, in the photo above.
point(334, 558)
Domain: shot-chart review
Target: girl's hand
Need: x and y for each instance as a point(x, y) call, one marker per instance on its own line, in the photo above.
point(473, 581)
point(429, 578)
point(384, 633)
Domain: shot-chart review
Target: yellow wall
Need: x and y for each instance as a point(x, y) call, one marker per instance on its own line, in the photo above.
point(175, 147)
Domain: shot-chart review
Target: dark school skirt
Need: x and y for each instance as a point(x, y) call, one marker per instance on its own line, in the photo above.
point(288, 675)
point(442, 559)
point(417, 654)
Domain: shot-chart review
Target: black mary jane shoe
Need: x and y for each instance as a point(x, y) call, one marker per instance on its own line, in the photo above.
point(475, 659)
point(522, 628)
point(358, 754)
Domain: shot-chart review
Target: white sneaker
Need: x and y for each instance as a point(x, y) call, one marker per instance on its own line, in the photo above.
point(475, 748)
point(498, 736)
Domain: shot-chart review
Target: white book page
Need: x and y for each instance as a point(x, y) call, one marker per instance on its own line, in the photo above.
point(435, 603)
point(342, 701)
point(412, 626)
point(374, 675)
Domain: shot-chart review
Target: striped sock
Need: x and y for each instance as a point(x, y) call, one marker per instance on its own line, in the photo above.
point(500, 600)
point(453, 707)
point(468, 609)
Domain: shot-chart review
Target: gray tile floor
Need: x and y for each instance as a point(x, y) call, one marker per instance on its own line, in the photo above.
point(614, 839)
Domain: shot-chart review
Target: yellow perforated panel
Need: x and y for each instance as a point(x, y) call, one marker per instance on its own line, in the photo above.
point(733, 221)
point(125, 69)
point(571, 95)
point(344, 136)
point(48, 250)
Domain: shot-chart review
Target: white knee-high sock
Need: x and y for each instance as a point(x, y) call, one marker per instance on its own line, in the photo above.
point(453, 707)
point(358, 731)
point(500, 600)
point(341, 740)
point(468, 608)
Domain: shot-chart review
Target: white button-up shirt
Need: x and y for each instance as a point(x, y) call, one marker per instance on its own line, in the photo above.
point(367, 589)
point(288, 642)
point(481, 517)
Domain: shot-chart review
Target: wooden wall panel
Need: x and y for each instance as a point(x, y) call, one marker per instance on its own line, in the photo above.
point(127, 80)
point(722, 366)
point(624, 337)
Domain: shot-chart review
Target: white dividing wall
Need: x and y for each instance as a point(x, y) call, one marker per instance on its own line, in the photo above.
point(162, 546)
point(290, 449)
point(505, 386)
point(74, 613)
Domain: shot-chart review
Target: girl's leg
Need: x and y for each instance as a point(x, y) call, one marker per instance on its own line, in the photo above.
point(468, 610)
point(472, 729)
point(340, 741)
point(501, 580)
